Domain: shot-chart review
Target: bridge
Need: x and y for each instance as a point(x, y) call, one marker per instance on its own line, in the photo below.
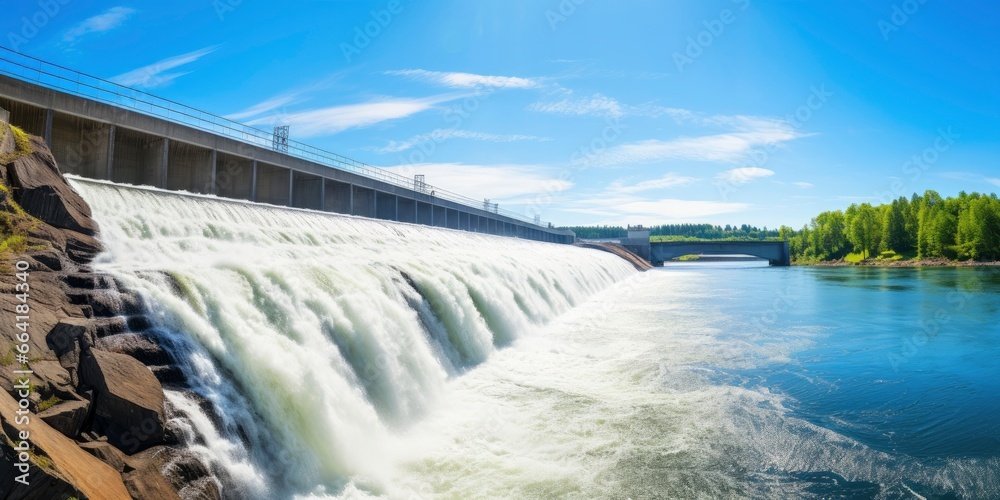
point(101, 130)
point(775, 252)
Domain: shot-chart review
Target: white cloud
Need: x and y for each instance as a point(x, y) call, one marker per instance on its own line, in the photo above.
point(744, 175)
point(450, 133)
point(155, 75)
point(496, 182)
point(604, 106)
point(803, 185)
point(334, 119)
point(749, 133)
point(106, 21)
point(595, 105)
point(629, 209)
point(466, 80)
point(670, 180)
point(262, 107)
point(992, 180)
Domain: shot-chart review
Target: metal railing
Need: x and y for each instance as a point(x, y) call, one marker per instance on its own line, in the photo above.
point(53, 76)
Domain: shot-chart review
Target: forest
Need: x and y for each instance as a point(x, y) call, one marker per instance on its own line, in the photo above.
point(966, 227)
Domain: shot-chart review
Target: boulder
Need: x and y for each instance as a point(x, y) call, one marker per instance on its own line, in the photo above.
point(55, 379)
point(147, 482)
point(42, 191)
point(137, 346)
point(66, 339)
point(181, 469)
point(129, 400)
point(107, 453)
point(67, 417)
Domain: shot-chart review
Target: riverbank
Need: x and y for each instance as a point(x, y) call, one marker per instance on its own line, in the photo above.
point(902, 263)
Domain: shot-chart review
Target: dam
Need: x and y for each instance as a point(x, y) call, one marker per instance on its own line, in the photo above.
point(102, 130)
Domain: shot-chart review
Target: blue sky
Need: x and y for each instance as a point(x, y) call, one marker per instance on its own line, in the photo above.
point(587, 111)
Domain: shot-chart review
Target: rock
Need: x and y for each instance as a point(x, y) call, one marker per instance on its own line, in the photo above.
point(147, 482)
point(45, 483)
point(179, 468)
point(67, 417)
point(137, 346)
point(108, 454)
point(48, 258)
point(41, 191)
point(81, 248)
point(64, 339)
point(169, 374)
point(129, 399)
point(139, 323)
point(206, 488)
point(106, 327)
point(55, 377)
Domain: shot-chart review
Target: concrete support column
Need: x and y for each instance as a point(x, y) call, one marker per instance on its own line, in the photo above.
point(396, 217)
point(111, 152)
point(350, 198)
point(322, 194)
point(291, 187)
point(49, 114)
point(214, 180)
point(164, 165)
point(253, 182)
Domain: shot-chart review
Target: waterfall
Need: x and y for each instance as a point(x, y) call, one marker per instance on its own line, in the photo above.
point(318, 337)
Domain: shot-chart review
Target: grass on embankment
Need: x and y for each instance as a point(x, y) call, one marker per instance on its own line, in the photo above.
point(14, 223)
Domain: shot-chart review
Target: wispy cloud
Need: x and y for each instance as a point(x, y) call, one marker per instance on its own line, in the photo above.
point(743, 175)
point(496, 182)
point(992, 180)
point(443, 134)
point(334, 119)
point(262, 107)
point(630, 209)
point(667, 181)
point(803, 185)
point(748, 133)
point(106, 21)
point(608, 107)
point(156, 74)
point(460, 80)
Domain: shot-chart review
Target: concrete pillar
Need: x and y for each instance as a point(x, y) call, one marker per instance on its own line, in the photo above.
point(253, 182)
point(396, 217)
point(111, 152)
point(350, 197)
point(49, 114)
point(432, 214)
point(291, 187)
point(163, 164)
point(214, 182)
point(322, 195)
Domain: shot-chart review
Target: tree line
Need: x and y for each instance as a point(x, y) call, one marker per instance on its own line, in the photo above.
point(925, 226)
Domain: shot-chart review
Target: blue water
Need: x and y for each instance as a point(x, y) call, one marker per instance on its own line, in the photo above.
point(901, 361)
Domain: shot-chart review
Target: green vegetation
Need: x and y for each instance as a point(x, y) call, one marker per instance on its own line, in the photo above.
point(14, 222)
point(48, 403)
point(966, 227)
point(681, 232)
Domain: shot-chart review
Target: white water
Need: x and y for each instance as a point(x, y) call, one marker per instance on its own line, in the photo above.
point(324, 339)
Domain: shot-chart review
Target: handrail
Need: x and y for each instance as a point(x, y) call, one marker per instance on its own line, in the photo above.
point(53, 76)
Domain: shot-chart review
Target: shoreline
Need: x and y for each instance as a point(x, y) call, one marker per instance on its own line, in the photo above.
point(902, 263)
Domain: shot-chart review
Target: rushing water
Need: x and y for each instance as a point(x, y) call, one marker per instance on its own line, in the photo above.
point(360, 359)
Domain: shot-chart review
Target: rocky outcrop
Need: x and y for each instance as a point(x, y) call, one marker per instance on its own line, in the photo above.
point(99, 422)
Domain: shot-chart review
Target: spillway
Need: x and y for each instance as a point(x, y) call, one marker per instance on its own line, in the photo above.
point(317, 338)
